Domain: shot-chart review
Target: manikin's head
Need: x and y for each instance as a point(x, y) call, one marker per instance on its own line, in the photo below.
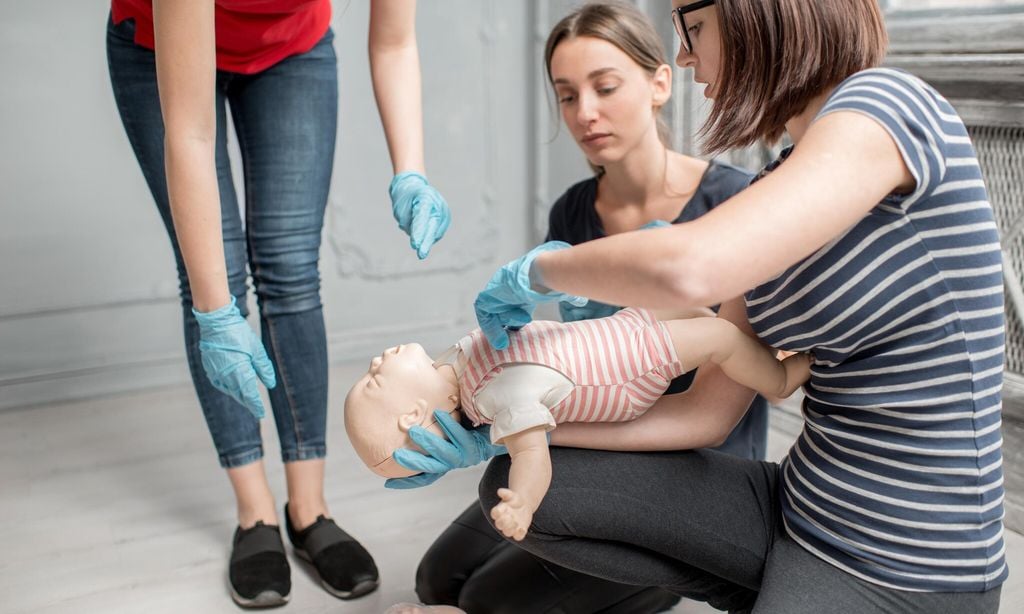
point(401, 389)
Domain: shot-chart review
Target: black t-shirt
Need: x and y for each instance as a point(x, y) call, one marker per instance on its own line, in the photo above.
point(574, 218)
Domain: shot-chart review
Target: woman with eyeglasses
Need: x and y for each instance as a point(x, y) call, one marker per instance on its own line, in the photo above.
point(177, 67)
point(870, 243)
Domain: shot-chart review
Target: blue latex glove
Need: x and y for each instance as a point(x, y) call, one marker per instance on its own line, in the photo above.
point(464, 448)
point(596, 309)
point(233, 356)
point(593, 309)
point(420, 210)
point(507, 301)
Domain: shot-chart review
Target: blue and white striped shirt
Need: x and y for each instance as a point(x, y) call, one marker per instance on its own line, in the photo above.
point(897, 475)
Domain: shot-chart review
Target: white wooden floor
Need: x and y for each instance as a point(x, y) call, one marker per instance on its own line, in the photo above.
point(117, 505)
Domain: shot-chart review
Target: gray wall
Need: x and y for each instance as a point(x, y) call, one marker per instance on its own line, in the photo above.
point(88, 292)
point(88, 296)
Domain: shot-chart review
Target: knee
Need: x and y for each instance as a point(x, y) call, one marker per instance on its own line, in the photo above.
point(434, 582)
point(283, 290)
point(509, 582)
point(480, 598)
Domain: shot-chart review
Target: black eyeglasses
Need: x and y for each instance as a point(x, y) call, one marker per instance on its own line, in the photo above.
point(679, 21)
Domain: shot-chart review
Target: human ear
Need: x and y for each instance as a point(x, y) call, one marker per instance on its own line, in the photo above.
point(414, 416)
point(661, 85)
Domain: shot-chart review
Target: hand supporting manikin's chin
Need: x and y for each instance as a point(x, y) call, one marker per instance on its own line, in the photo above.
point(389, 468)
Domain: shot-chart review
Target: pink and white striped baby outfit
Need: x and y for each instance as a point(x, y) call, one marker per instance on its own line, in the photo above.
point(619, 365)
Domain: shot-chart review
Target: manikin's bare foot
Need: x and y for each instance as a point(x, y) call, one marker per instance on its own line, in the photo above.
point(511, 516)
point(415, 608)
point(798, 371)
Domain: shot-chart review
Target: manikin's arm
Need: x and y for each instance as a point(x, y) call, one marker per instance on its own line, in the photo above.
point(702, 417)
point(700, 312)
point(702, 340)
point(528, 482)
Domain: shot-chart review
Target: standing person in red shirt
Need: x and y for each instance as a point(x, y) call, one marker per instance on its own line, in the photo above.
point(272, 63)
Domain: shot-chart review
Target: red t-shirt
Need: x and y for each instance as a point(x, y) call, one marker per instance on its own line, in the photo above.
point(252, 35)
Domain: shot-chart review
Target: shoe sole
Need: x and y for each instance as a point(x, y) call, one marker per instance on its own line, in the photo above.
point(363, 588)
point(266, 599)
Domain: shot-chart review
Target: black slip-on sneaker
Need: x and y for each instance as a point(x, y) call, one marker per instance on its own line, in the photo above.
point(346, 569)
point(259, 574)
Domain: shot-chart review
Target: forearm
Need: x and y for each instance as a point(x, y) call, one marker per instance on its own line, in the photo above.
point(395, 71)
point(700, 418)
point(185, 68)
point(195, 207)
point(530, 474)
point(844, 165)
point(684, 313)
point(649, 268)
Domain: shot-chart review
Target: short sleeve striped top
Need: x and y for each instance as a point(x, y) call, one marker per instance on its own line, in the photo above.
point(897, 475)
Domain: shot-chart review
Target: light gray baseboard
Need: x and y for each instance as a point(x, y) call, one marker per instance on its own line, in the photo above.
point(46, 387)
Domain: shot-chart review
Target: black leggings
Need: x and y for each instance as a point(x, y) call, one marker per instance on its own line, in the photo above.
point(471, 566)
point(701, 524)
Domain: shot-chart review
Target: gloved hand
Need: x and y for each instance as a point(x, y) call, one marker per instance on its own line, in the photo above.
point(593, 309)
point(596, 309)
point(507, 301)
point(233, 356)
point(419, 209)
point(464, 448)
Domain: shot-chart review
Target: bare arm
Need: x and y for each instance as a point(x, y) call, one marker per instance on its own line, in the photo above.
point(186, 73)
point(684, 313)
point(528, 482)
point(842, 167)
point(395, 71)
point(702, 417)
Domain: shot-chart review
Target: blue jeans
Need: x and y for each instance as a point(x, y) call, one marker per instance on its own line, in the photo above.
point(286, 120)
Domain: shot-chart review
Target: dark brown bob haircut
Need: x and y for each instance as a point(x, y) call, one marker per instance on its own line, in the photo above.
point(777, 55)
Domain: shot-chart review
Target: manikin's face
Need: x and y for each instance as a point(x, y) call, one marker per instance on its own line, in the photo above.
point(607, 100)
point(401, 389)
point(702, 26)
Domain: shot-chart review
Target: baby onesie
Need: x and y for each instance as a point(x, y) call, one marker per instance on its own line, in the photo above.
point(603, 370)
